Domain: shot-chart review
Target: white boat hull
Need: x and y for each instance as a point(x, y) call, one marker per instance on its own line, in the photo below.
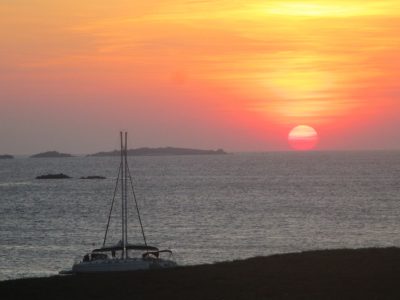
point(121, 265)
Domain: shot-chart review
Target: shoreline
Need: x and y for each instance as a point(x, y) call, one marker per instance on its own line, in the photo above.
point(370, 273)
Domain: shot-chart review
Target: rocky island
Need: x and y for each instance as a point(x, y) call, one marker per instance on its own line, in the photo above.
point(51, 154)
point(53, 176)
point(145, 151)
point(6, 156)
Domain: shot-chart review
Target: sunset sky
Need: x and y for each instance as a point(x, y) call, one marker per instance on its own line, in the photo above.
point(237, 75)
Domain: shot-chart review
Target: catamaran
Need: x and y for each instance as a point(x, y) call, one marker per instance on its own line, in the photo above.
point(124, 256)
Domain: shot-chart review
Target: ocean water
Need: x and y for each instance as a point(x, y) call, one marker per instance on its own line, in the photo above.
point(205, 208)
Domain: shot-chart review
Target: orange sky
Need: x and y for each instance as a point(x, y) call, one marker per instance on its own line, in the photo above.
point(209, 74)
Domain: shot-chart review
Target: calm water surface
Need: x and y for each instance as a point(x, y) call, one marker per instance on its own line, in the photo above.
point(205, 208)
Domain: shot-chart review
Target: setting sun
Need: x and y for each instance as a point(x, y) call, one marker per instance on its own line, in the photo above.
point(303, 138)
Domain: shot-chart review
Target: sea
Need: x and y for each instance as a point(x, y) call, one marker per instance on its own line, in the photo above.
point(206, 208)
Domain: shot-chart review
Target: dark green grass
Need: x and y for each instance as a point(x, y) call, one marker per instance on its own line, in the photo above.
point(329, 274)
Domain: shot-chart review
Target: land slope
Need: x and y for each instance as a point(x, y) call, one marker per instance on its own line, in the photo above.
point(330, 274)
point(6, 156)
point(161, 151)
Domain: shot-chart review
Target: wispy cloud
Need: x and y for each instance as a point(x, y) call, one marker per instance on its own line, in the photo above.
point(309, 61)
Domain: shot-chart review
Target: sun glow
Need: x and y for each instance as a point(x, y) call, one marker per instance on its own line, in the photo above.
point(301, 84)
point(312, 9)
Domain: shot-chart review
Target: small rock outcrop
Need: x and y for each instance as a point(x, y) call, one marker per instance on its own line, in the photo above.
point(53, 176)
point(93, 177)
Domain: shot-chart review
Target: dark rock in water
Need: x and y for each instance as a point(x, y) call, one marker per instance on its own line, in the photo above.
point(6, 156)
point(53, 176)
point(161, 151)
point(51, 154)
point(93, 177)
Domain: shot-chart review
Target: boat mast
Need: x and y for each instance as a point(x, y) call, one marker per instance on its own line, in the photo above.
point(126, 190)
point(123, 175)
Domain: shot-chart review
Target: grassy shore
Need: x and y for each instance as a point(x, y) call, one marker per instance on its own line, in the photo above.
point(329, 274)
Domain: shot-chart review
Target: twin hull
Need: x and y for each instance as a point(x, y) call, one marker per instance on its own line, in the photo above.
point(121, 265)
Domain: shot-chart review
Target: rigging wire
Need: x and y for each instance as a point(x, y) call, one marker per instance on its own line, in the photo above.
point(124, 168)
point(137, 207)
point(112, 205)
